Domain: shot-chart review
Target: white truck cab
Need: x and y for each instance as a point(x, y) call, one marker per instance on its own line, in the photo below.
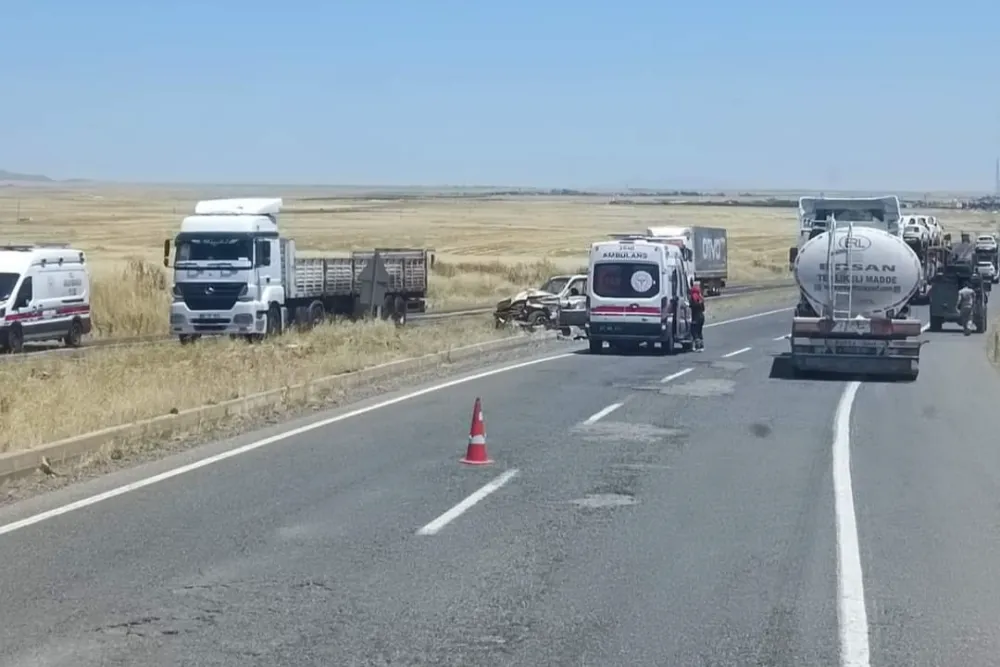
point(226, 269)
point(816, 212)
point(44, 295)
point(637, 292)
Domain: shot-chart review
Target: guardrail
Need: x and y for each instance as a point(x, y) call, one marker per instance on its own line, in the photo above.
point(433, 316)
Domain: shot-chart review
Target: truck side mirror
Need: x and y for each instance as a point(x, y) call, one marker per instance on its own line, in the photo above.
point(166, 253)
point(792, 254)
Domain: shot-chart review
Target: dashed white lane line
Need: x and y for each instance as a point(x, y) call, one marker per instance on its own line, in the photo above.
point(735, 352)
point(458, 510)
point(676, 375)
point(782, 337)
point(600, 414)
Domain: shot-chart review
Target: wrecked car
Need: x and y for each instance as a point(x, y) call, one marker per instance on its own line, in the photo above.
point(561, 303)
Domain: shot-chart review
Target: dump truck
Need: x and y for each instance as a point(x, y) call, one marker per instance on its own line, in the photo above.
point(706, 253)
point(234, 273)
point(856, 279)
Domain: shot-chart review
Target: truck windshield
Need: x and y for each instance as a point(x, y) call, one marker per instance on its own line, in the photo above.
point(7, 283)
point(626, 280)
point(213, 248)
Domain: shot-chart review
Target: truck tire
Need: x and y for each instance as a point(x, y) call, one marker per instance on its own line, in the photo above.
point(936, 323)
point(187, 339)
point(273, 322)
point(981, 323)
point(399, 311)
point(596, 346)
point(316, 314)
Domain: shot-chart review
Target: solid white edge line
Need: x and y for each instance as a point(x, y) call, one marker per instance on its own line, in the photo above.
point(190, 467)
point(735, 352)
point(594, 418)
point(458, 510)
point(852, 616)
point(674, 376)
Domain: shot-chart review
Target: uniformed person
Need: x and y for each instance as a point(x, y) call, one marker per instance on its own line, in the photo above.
point(966, 298)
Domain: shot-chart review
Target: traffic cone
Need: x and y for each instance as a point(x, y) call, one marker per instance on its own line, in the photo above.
point(476, 453)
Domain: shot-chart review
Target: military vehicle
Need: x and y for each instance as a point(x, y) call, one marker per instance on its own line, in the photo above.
point(957, 268)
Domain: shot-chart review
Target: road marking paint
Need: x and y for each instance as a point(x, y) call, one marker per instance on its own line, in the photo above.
point(735, 352)
point(749, 317)
point(216, 458)
point(676, 375)
point(782, 337)
point(851, 614)
point(458, 510)
point(594, 418)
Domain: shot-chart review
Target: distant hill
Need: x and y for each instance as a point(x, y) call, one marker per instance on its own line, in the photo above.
point(30, 178)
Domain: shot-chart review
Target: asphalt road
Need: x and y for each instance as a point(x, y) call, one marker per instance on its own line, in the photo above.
point(694, 523)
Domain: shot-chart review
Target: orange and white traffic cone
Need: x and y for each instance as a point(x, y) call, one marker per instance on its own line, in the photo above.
point(476, 453)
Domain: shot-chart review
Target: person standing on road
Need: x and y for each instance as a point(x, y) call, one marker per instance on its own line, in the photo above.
point(697, 317)
point(966, 296)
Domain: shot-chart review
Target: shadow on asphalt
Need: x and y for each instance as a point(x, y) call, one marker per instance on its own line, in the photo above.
point(782, 369)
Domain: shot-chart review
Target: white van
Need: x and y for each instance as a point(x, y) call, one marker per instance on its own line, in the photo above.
point(637, 292)
point(44, 295)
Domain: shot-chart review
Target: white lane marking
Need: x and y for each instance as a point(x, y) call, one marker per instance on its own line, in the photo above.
point(735, 352)
point(782, 337)
point(190, 467)
point(594, 418)
point(851, 614)
point(749, 317)
point(458, 510)
point(674, 376)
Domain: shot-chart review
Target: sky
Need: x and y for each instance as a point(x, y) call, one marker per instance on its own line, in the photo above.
point(551, 93)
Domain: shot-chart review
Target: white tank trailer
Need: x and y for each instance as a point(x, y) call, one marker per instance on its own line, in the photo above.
point(856, 283)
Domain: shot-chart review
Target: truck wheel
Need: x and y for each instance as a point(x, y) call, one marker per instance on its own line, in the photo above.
point(187, 339)
point(981, 324)
point(316, 314)
point(273, 322)
point(596, 346)
point(399, 311)
point(74, 337)
point(936, 323)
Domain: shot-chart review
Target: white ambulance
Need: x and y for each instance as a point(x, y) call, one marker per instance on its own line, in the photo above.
point(44, 295)
point(637, 292)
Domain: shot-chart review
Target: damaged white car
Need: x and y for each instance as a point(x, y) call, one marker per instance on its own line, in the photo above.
point(561, 303)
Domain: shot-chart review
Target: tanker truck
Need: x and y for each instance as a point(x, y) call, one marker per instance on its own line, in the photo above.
point(855, 282)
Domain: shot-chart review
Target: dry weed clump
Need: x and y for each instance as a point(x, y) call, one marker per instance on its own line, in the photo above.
point(130, 299)
point(109, 387)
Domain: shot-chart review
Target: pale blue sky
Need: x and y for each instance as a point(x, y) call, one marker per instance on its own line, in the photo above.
point(781, 94)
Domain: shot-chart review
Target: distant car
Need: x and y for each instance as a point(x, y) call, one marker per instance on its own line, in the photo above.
point(986, 242)
point(987, 270)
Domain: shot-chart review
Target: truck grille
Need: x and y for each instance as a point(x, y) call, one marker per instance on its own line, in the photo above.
point(210, 296)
